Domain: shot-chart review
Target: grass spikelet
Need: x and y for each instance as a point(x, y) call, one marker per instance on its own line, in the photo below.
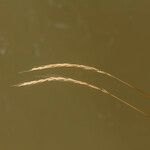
point(70, 80)
point(84, 67)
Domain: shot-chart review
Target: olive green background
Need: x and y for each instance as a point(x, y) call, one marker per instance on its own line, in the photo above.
point(111, 35)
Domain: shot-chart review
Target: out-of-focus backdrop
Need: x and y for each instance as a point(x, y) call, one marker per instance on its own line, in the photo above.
point(111, 35)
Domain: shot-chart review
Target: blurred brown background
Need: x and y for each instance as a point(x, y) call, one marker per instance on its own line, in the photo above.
point(110, 35)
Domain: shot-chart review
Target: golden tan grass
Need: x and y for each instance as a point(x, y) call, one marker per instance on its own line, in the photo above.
point(63, 79)
point(68, 65)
